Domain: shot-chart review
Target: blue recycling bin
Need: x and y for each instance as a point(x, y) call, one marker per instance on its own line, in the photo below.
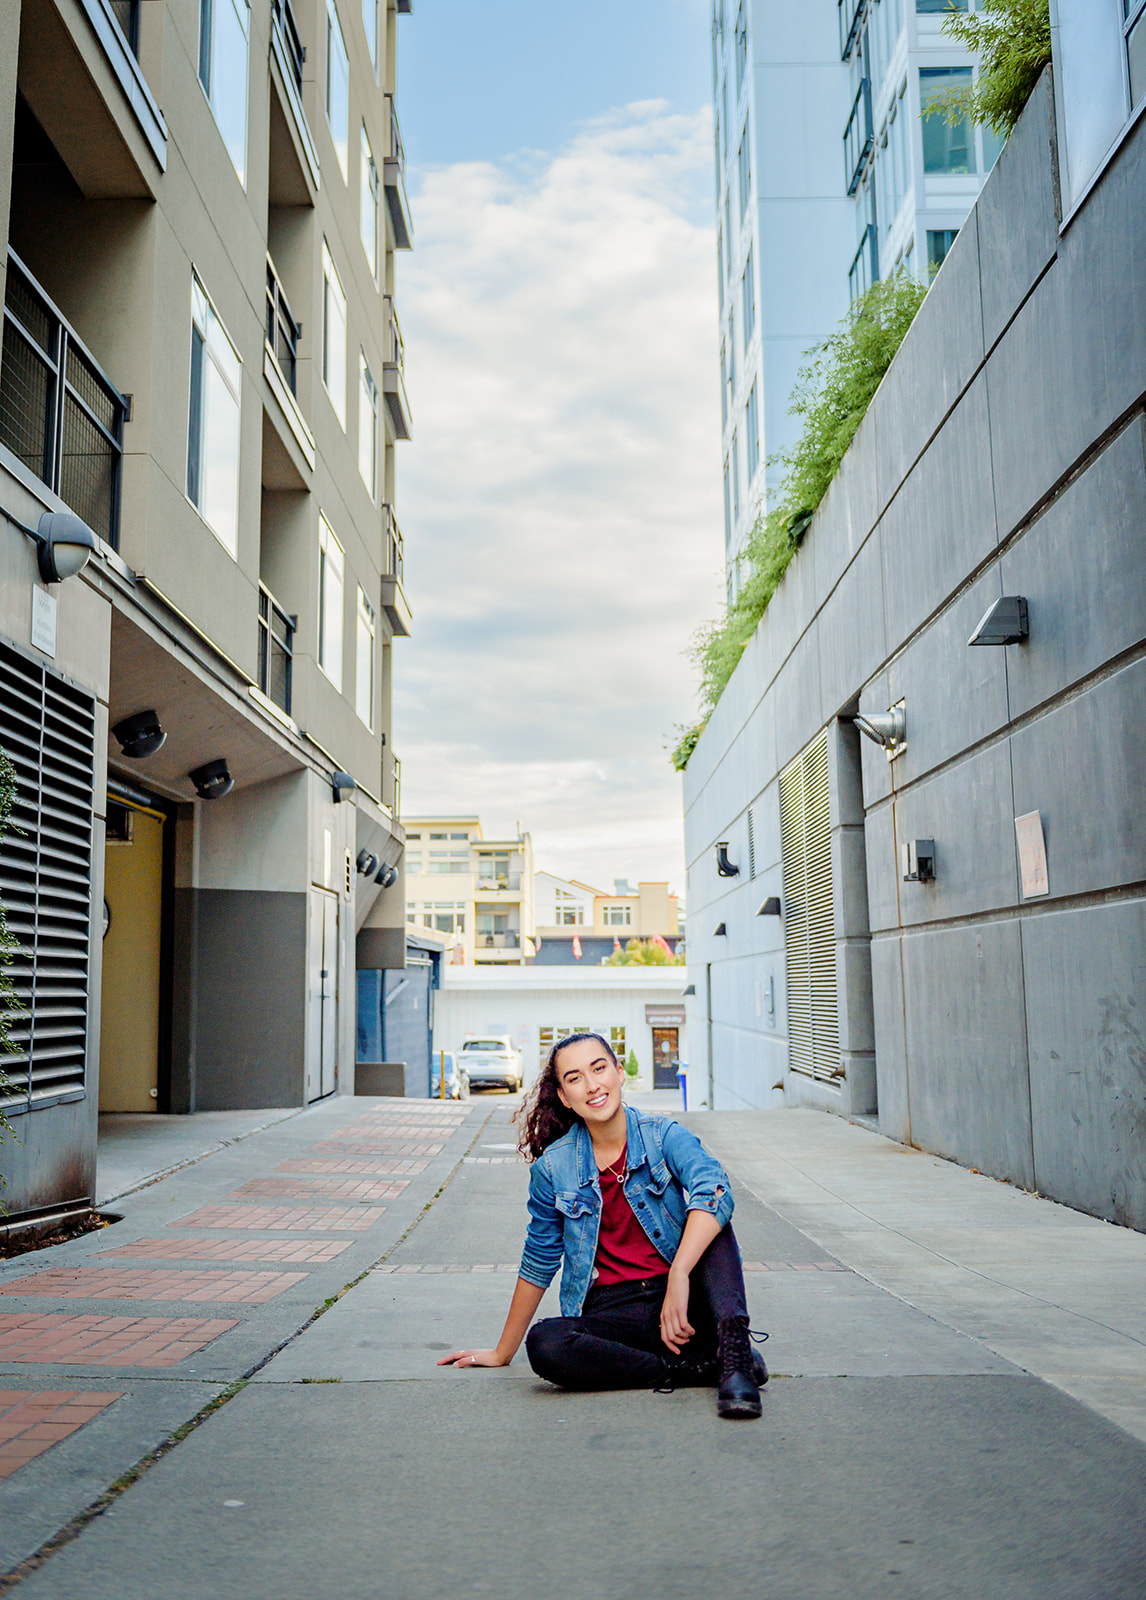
point(682, 1079)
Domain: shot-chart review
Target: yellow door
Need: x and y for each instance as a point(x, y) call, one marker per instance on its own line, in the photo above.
point(129, 1012)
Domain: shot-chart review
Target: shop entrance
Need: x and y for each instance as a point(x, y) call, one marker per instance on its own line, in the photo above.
point(666, 1057)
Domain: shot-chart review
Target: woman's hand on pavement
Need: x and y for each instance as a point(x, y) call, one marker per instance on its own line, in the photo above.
point(473, 1358)
point(676, 1329)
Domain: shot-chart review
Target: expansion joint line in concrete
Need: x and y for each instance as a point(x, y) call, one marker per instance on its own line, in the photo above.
point(72, 1530)
point(191, 1161)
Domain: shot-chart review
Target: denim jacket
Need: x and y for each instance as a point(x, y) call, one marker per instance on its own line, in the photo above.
point(669, 1174)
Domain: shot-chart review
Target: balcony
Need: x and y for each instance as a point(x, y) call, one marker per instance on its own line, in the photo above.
point(851, 15)
point(276, 649)
point(294, 173)
point(282, 330)
point(497, 941)
point(858, 137)
point(864, 269)
point(126, 13)
point(280, 368)
point(60, 414)
point(393, 598)
point(502, 881)
point(393, 375)
point(394, 182)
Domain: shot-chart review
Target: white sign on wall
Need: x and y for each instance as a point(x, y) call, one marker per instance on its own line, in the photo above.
point(44, 621)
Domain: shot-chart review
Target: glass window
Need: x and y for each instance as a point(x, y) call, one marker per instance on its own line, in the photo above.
point(723, 386)
point(731, 355)
point(947, 146)
point(735, 480)
point(364, 661)
point(939, 241)
point(1135, 14)
point(617, 916)
point(370, 23)
point(720, 270)
point(368, 218)
point(727, 510)
point(748, 301)
point(728, 232)
point(224, 28)
point(617, 1041)
point(213, 422)
point(751, 434)
point(338, 89)
point(333, 335)
point(744, 171)
point(929, 7)
point(367, 425)
point(331, 568)
point(741, 47)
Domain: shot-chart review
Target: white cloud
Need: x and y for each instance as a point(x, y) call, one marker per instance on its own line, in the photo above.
point(562, 500)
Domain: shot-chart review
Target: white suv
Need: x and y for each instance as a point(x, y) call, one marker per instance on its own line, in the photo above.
point(490, 1061)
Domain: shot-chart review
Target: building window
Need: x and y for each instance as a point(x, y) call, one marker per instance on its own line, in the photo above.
point(224, 28)
point(331, 569)
point(731, 356)
point(744, 172)
point(751, 435)
point(548, 1037)
point(728, 233)
point(748, 302)
point(213, 423)
point(338, 89)
point(276, 650)
point(569, 912)
point(1134, 26)
point(445, 916)
point(735, 480)
point(947, 146)
point(369, 204)
point(370, 23)
point(930, 7)
point(364, 661)
point(333, 335)
point(720, 270)
point(617, 916)
point(723, 385)
point(617, 1042)
point(741, 48)
point(939, 241)
point(727, 512)
point(449, 861)
point(367, 426)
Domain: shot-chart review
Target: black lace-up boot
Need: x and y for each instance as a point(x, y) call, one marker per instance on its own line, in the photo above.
point(741, 1370)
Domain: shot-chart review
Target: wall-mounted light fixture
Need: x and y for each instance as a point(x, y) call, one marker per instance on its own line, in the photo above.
point(691, 990)
point(770, 908)
point(1004, 622)
point(723, 865)
point(917, 860)
point(886, 728)
point(387, 877)
point(212, 780)
point(342, 784)
point(64, 544)
point(720, 931)
point(366, 863)
point(140, 735)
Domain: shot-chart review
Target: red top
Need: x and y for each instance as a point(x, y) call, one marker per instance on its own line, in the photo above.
point(623, 1247)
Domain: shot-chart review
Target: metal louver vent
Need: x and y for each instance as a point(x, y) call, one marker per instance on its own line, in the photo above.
point(751, 844)
point(809, 923)
point(47, 727)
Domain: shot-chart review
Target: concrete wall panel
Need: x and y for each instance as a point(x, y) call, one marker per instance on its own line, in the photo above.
point(967, 811)
point(852, 636)
point(890, 1045)
point(1024, 184)
point(1086, 982)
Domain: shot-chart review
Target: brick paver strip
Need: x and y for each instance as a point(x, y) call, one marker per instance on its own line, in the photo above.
point(232, 1249)
point(374, 1147)
point(153, 1283)
point(31, 1423)
point(283, 1219)
point(320, 1188)
point(352, 1136)
point(105, 1341)
point(492, 1161)
point(372, 1168)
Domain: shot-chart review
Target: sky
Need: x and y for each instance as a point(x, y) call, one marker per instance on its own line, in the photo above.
point(561, 498)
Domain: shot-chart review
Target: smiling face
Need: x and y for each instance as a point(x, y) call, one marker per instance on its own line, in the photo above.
point(589, 1082)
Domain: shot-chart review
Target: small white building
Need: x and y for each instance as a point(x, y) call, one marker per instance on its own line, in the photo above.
point(638, 1009)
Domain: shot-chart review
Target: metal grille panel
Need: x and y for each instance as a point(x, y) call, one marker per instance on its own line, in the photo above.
point(809, 920)
point(47, 727)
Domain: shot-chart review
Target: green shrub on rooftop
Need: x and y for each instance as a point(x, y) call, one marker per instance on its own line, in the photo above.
point(833, 391)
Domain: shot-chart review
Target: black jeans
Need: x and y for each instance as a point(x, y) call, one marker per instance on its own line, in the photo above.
point(616, 1342)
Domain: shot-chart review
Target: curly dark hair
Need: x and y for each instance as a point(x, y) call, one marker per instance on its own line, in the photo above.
point(542, 1116)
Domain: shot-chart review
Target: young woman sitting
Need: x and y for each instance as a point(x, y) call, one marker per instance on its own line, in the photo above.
point(652, 1291)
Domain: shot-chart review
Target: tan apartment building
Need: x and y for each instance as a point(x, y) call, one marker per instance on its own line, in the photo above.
point(477, 891)
point(202, 201)
point(567, 909)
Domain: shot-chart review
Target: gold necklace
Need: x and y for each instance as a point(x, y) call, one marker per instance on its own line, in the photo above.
point(624, 1172)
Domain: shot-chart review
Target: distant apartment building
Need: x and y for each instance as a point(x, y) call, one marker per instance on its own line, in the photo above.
point(826, 179)
point(201, 389)
point(477, 891)
point(568, 910)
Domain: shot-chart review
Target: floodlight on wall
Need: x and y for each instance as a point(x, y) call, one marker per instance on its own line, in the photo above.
point(64, 544)
point(1004, 622)
point(691, 990)
point(212, 780)
point(387, 877)
point(886, 728)
point(770, 908)
point(723, 865)
point(917, 860)
point(366, 863)
point(140, 735)
point(342, 784)
point(720, 931)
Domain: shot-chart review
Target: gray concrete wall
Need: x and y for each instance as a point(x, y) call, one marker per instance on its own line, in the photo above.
point(1004, 453)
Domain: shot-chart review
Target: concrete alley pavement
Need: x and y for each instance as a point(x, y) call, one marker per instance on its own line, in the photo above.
point(958, 1403)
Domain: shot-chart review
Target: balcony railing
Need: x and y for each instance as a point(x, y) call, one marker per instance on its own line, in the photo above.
point(59, 412)
point(858, 137)
point(851, 15)
point(394, 181)
point(282, 18)
point(282, 331)
point(126, 13)
point(499, 880)
point(393, 375)
point(393, 552)
point(276, 649)
point(397, 769)
point(497, 941)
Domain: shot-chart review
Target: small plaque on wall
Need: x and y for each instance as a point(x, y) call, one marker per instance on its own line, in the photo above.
point(1032, 854)
point(43, 621)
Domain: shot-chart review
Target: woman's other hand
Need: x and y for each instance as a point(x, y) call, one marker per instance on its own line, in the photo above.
point(473, 1358)
point(676, 1329)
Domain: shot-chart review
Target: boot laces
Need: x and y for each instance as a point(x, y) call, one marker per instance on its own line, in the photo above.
point(735, 1350)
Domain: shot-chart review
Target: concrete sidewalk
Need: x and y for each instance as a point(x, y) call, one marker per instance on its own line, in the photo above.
point(908, 1445)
